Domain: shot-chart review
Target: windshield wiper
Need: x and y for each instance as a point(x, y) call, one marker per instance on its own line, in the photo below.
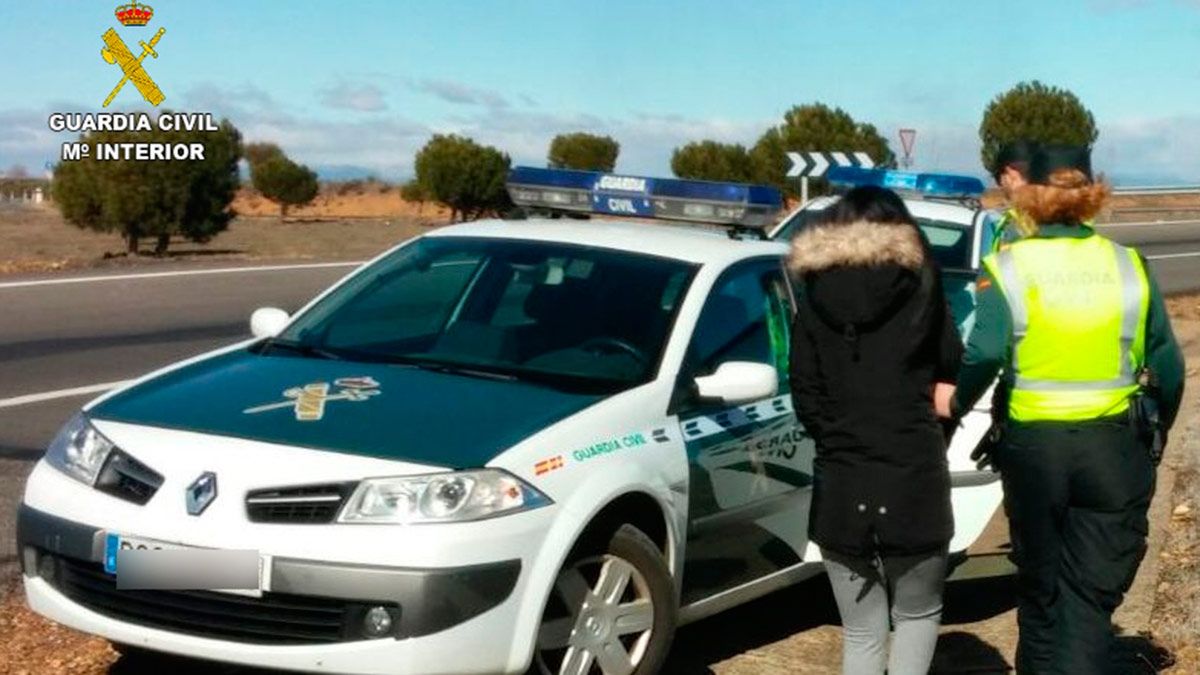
point(437, 365)
point(298, 348)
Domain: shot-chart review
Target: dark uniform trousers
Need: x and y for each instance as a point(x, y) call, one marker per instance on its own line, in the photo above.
point(1076, 495)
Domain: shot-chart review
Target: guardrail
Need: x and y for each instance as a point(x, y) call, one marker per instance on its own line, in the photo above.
point(1157, 190)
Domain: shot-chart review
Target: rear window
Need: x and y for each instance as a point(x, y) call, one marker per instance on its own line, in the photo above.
point(949, 241)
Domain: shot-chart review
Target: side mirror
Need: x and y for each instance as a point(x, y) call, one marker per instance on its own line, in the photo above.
point(737, 382)
point(267, 322)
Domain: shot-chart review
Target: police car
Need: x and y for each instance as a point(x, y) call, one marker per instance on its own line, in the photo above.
point(502, 446)
point(946, 208)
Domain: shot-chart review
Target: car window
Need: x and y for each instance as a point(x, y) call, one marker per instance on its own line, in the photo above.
point(525, 309)
point(797, 222)
point(949, 242)
point(747, 317)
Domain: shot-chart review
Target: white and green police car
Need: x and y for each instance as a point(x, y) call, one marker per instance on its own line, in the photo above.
point(501, 446)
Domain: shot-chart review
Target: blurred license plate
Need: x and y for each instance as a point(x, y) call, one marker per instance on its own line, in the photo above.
point(151, 564)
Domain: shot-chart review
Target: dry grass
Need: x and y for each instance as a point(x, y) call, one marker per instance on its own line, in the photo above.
point(354, 199)
point(31, 645)
point(1175, 621)
point(37, 240)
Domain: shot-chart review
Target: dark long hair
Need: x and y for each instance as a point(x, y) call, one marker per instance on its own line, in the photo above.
point(867, 203)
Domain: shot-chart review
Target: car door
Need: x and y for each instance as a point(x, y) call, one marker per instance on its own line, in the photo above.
point(750, 465)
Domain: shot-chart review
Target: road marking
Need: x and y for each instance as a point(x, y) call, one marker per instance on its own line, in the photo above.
point(178, 273)
point(61, 393)
point(1168, 256)
point(1150, 223)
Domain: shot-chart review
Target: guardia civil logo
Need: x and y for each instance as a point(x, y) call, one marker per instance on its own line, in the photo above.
point(308, 401)
point(116, 52)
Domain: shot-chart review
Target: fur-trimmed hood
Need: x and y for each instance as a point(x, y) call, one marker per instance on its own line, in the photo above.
point(859, 244)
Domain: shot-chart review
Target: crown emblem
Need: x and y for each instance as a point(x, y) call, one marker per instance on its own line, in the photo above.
point(134, 14)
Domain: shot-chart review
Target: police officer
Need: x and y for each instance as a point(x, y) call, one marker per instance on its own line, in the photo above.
point(1011, 171)
point(1071, 318)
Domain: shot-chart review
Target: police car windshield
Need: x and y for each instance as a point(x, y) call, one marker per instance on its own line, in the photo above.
point(546, 312)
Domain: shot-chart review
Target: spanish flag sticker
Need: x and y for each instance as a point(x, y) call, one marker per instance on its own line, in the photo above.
point(548, 465)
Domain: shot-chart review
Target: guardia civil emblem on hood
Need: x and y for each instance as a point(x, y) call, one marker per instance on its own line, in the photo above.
point(308, 401)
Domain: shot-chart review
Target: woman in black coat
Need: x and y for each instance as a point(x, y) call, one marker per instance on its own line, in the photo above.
point(873, 337)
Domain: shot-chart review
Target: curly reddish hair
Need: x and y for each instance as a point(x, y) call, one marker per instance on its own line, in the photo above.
point(1067, 197)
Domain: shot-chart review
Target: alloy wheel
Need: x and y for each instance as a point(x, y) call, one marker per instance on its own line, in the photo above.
point(603, 620)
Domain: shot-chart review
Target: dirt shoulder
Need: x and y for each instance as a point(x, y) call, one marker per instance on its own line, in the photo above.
point(37, 239)
point(1175, 612)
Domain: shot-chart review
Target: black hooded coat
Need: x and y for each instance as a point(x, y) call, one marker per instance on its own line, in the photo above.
point(873, 334)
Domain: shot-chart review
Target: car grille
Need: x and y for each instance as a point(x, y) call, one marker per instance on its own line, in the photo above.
point(308, 504)
point(274, 618)
point(124, 477)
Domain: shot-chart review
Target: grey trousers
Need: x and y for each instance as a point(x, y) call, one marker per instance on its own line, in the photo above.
point(906, 593)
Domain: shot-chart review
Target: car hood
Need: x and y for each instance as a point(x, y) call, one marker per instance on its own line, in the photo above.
point(387, 411)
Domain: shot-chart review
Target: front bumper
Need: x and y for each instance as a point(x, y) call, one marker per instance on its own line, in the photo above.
point(305, 620)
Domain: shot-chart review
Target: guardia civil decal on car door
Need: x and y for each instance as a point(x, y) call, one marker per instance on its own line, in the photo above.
point(751, 464)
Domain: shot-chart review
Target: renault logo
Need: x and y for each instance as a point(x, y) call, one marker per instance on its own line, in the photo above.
point(201, 493)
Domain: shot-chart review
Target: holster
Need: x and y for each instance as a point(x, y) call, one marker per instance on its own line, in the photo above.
point(1143, 414)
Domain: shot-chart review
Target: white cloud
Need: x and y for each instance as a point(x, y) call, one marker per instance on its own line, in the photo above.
point(460, 93)
point(349, 96)
point(1150, 150)
point(646, 140)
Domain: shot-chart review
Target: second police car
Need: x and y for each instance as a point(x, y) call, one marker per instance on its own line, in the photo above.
point(500, 446)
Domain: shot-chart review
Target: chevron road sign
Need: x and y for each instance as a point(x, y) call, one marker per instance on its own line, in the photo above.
point(814, 164)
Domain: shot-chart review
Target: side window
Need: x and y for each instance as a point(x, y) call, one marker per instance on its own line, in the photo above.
point(747, 318)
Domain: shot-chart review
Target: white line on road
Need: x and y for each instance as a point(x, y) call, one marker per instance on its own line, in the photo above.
point(1168, 256)
point(1148, 223)
point(177, 273)
point(61, 393)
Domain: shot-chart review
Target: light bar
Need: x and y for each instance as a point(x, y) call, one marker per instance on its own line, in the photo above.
point(665, 198)
point(932, 184)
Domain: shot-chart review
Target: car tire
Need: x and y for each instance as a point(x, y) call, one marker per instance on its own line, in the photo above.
point(612, 610)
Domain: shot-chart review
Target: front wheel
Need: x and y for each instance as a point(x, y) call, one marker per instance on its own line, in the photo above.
point(612, 611)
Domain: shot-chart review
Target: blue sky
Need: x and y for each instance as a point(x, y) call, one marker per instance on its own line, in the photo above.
point(359, 86)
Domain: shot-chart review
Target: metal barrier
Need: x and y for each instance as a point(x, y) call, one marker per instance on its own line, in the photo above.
point(1157, 190)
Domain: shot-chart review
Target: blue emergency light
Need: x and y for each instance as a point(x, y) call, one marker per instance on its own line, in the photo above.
point(593, 192)
point(943, 185)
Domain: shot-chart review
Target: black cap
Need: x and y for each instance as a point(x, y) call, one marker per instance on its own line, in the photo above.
point(1052, 158)
point(1017, 154)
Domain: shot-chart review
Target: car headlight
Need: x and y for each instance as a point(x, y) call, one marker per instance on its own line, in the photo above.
point(440, 498)
point(79, 450)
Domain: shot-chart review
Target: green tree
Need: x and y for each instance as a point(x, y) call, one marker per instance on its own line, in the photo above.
point(1036, 112)
point(814, 128)
point(413, 192)
point(157, 199)
point(710, 160)
point(284, 182)
point(586, 152)
point(468, 178)
point(257, 153)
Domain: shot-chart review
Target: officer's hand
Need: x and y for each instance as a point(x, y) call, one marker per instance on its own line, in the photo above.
point(942, 394)
point(982, 456)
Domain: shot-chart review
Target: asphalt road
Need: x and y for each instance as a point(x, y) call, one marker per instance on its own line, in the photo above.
point(63, 337)
point(1172, 248)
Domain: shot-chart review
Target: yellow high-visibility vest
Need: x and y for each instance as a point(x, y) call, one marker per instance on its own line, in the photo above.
point(1079, 308)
